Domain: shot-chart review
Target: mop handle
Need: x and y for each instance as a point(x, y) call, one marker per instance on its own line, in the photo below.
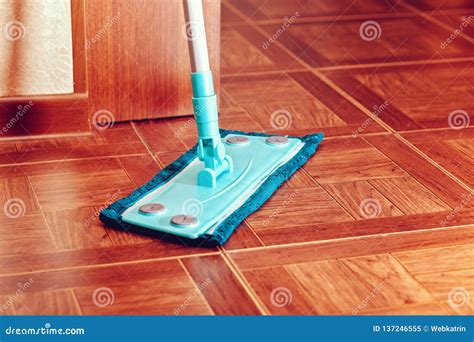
point(196, 35)
point(211, 150)
point(204, 98)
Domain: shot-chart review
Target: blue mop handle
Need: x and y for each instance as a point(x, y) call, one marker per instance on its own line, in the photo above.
point(205, 105)
point(211, 150)
point(204, 98)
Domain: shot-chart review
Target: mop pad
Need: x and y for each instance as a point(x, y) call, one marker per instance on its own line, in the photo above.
point(212, 216)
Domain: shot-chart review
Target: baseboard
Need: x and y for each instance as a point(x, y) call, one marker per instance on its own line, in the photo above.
point(39, 115)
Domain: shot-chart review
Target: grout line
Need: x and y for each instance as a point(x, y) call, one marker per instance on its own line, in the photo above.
point(339, 202)
point(431, 161)
point(394, 64)
point(122, 165)
point(352, 256)
point(361, 237)
point(438, 247)
point(426, 130)
point(254, 233)
point(147, 146)
point(112, 264)
point(324, 18)
point(46, 136)
point(43, 214)
point(240, 277)
point(413, 276)
point(195, 286)
point(75, 300)
point(345, 136)
point(408, 175)
point(72, 160)
point(352, 100)
point(373, 184)
point(463, 269)
point(439, 23)
point(262, 73)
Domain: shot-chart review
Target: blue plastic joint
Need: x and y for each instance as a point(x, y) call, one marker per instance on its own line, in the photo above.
point(210, 148)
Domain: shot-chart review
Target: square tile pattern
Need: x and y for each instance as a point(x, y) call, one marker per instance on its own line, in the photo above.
point(379, 221)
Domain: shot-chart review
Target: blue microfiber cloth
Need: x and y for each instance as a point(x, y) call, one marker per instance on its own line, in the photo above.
point(112, 214)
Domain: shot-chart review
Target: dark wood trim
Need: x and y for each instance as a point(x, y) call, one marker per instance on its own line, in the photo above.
point(33, 116)
point(79, 55)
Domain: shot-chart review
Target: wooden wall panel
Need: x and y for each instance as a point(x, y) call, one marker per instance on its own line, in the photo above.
point(138, 61)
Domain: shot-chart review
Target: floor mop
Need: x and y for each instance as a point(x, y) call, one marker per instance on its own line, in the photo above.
point(208, 191)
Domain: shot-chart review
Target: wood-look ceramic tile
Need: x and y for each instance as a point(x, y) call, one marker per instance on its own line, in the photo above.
point(247, 50)
point(437, 260)
point(221, 288)
point(364, 40)
point(297, 103)
point(349, 160)
point(413, 97)
point(119, 139)
point(161, 287)
point(279, 9)
point(451, 149)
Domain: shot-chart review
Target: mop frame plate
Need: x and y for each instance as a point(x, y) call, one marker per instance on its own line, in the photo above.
point(206, 207)
point(260, 168)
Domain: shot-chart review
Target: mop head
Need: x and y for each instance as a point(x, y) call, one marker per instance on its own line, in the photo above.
point(246, 191)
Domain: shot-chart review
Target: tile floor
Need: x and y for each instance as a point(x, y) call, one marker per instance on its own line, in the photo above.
point(380, 221)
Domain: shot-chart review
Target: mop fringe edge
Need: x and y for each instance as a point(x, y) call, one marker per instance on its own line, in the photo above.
point(112, 214)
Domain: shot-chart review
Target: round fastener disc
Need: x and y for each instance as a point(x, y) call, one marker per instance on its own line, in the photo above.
point(237, 140)
point(152, 208)
point(183, 220)
point(277, 140)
